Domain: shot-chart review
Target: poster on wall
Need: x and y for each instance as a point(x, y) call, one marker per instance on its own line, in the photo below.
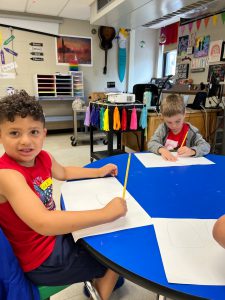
point(182, 45)
point(7, 57)
point(36, 51)
point(215, 50)
point(199, 62)
point(69, 47)
point(218, 71)
point(222, 58)
point(182, 71)
point(7, 75)
point(4, 51)
point(201, 47)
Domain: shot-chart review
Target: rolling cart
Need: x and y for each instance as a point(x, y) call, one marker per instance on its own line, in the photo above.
point(110, 150)
point(78, 115)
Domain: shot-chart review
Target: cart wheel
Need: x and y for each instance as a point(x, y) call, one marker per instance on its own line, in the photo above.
point(72, 138)
point(74, 143)
point(105, 142)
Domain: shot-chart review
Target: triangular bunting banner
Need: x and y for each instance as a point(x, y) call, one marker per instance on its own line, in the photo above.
point(182, 29)
point(214, 19)
point(206, 21)
point(198, 23)
point(190, 25)
point(223, 17)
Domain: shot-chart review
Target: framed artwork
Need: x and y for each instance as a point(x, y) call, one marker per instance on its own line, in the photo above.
point(67, 47)
point(197, 70)
point(182, 71)
point(222, 57)
point(182, 45)
point(201, 47)
point(197, 63)
point(218, 71)
point(215, 51)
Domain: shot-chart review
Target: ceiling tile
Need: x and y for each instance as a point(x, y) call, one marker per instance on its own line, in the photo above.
point(76, 10)
point(46, 7)
point(13, 5)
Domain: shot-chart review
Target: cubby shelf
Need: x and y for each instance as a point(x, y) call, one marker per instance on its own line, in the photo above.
point(56, 85)
point(56, 93)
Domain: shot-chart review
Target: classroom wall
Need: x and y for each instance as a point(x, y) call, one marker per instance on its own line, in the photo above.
point(143, 55)
point(94, 79)
point(216, 32)
point(26, 68)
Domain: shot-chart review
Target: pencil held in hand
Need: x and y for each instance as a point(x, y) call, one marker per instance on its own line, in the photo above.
point(185, 137)
point(126, 175)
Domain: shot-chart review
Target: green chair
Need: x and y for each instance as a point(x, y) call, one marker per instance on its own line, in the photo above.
point(47, 291)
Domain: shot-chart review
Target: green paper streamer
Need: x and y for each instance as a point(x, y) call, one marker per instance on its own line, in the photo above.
point(6, 42)
point(223, 17)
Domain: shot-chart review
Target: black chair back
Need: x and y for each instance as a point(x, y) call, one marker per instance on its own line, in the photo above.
point(139, 89)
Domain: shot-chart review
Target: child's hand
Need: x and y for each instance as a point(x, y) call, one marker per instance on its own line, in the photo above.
point(167, 155)
point(109, 169)
point(185, 151)
point(115, 209)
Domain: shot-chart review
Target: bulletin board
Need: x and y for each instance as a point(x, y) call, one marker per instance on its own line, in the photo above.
point(218, 71)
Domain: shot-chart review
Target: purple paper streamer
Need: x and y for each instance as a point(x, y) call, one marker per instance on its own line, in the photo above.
point(2, 57)
point(11, 51)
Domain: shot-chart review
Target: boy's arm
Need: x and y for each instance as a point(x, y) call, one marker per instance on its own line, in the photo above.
point(219, 231)
point(71, 172)
point(32, 211)
point(200, 146)
point(156, 140)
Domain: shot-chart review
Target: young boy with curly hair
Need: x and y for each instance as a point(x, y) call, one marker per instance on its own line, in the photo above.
point(38, 232)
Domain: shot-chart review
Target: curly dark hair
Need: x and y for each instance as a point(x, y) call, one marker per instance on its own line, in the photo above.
point(22, 105)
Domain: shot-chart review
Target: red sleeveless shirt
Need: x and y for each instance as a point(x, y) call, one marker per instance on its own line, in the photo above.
point(30, 247)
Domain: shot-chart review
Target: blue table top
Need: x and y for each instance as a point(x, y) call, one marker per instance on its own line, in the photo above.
point(172, 192)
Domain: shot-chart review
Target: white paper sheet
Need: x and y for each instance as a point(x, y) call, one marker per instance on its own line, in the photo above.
point(96, 193)
point(151, 160)
point(189, 253)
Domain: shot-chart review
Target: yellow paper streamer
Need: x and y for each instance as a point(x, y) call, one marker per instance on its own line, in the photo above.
point(106, 120)
point(214, 19)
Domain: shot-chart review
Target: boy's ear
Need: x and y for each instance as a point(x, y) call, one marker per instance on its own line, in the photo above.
point(45, 132)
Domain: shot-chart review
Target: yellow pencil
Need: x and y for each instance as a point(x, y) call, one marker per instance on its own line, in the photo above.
point(126, 176)
point(184, 139)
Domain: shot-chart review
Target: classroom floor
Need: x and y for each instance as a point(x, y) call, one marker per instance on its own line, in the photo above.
point(59, 145)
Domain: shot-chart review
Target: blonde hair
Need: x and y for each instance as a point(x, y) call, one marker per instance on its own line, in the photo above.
point(172, 105)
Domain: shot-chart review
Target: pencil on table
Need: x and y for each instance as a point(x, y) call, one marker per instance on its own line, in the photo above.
point(126, 175)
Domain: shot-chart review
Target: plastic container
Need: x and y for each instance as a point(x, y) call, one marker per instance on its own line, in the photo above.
point(147, 98)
